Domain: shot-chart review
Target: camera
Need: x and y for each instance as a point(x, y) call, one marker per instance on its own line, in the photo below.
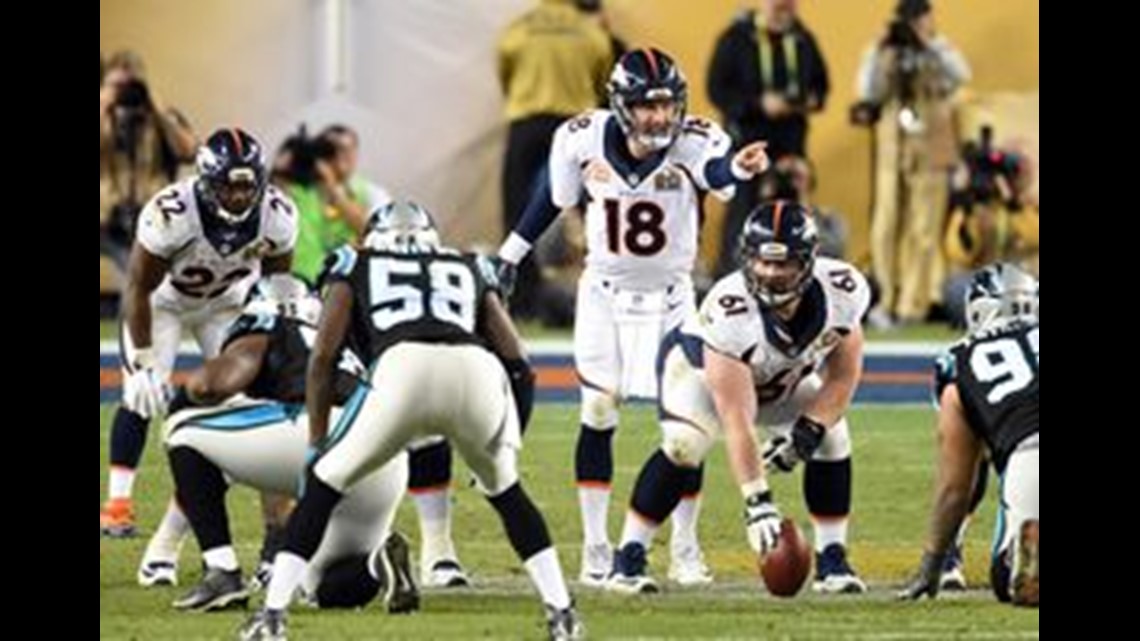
point(901, 35)
point(301, 153)
point(132, 108)
point(986, 165)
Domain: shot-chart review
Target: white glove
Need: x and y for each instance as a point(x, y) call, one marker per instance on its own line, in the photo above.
point(762, 522)
point(144, 391)
point(780, 455)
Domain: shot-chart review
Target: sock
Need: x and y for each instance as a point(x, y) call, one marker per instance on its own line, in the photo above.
point(223, 558)
point(638, 529)
point(546, 574)
point(121, 483)
point(167, 540)
point(594, 465)
point(288, 570)
point(827, 491)
point(128, 440)
point(687, 512)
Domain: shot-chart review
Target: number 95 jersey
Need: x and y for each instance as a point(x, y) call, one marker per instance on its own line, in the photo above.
point(642, 217)
point(212, 263)
point(781, 354)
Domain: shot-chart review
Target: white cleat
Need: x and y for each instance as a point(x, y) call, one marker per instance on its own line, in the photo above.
point(953, 581)
point(157, 573)
point(688, 568)
point(597, 563)
point(444, 573)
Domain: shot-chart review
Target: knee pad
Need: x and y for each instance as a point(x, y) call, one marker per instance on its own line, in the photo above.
point(599, 409)
point(684, 444)
point(836, 444)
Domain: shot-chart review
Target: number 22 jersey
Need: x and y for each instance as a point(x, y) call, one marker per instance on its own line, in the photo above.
point(212, 263)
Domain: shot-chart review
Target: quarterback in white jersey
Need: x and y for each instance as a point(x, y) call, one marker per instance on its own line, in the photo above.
point(778, 343)
point(640, 170)
point(200, 244)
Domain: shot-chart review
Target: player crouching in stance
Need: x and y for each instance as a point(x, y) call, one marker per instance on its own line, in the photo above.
point(778, 342)
point(240, 419)
point(989, 392)
point(430, 321)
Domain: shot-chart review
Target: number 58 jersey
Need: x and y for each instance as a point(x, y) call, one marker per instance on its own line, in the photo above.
point(642, 217)
point(212, 263)
point(424, 297)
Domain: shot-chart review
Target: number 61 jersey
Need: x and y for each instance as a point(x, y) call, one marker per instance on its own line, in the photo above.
point(430, 297)
point(783, 354)
point(212, 262)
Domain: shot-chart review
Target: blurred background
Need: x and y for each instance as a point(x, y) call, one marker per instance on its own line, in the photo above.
point(418, 86)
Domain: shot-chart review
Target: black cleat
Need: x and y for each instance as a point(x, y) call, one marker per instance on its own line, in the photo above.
point(264, 625)
point(218, 590)
point(564, 625)
point(392, 566)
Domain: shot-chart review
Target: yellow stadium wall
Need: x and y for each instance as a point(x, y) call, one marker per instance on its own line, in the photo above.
point(252, 62)
point(1000, 40)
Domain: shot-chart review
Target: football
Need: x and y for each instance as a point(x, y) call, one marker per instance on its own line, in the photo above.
point(786, 569)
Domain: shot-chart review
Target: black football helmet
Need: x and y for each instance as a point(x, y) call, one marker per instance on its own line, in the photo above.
point(232, 174)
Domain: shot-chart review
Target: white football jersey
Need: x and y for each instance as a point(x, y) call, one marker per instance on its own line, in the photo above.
point(732, 322)
point(643, 219)
point(212, 261)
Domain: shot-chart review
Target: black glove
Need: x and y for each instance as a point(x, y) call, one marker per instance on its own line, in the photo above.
point(522, 387)
point(927, 581)
point(506, 273)
point(807, 436)
point(181, 401)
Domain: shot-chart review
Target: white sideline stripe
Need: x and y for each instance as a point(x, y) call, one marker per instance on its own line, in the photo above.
point(566, 348)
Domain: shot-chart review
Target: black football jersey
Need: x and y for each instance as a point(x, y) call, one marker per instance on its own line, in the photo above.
point(282, 374)
point(424, 298)
point(998, 374)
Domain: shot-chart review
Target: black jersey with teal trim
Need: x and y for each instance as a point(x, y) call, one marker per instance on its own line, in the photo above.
point(283, 367)
point(425, 298)
point(998, 374)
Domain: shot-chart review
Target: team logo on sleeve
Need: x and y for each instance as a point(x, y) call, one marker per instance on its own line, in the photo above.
point(667, 180)
point(261, 249)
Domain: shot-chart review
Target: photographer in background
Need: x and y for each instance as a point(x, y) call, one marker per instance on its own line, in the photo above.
point(333, 202)
point(991, 219)
point(142, 142)
point(793, 178)
point(766, 76)
point(905, 85)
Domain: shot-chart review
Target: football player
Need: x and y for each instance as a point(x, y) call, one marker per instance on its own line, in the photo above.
point(778, 343)
point(199, 246)
point(641, 170)
point(989, 390)
point(441, 349)
point(215, 437)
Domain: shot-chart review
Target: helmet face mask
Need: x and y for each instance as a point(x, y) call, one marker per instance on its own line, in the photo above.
point(649, 96)
point(1000, 293)
point(776, 283)
point(286, 296)
point(777, 253)
point(233, 174)
point(401, 227)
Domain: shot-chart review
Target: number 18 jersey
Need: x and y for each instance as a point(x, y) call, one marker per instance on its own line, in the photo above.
point(642, 217)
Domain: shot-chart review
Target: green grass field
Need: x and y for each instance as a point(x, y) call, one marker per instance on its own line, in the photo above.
point(892, 492)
